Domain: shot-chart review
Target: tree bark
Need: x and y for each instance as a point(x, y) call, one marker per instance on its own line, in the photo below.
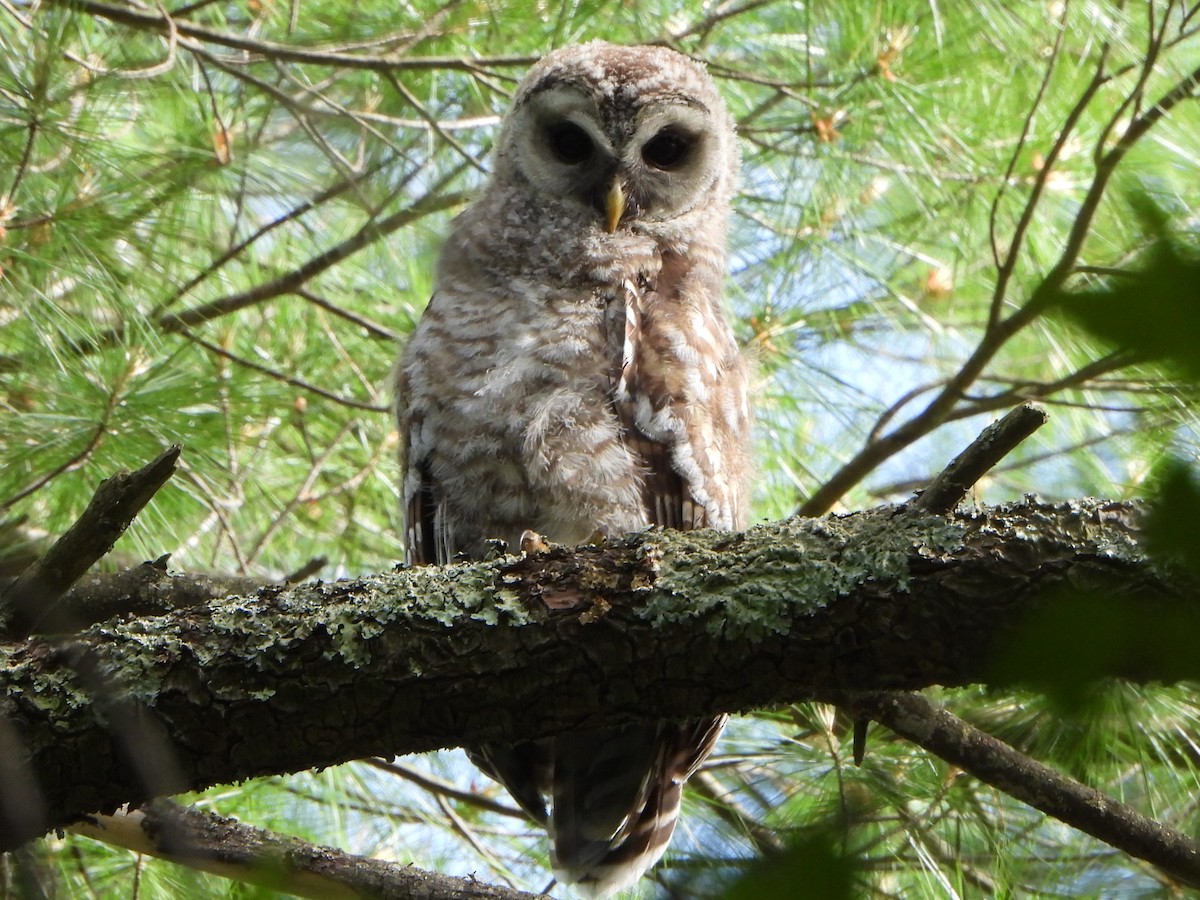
point(654, 625)
point(289, 866)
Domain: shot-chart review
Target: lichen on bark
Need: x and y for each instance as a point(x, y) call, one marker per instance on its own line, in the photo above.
point(757, 582)
point(650, 625)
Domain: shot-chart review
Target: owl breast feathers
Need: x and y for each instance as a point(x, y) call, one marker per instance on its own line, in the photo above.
point(574, 373)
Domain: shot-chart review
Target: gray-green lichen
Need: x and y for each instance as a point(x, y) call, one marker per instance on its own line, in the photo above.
point(798, 566)
point(507, 608)
point(345, 618)
point(59, 692)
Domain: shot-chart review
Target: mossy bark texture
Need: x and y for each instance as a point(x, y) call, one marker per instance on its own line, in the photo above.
point(651, 625)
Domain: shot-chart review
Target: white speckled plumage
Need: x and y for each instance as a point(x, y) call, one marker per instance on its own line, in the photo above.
point(574, 373)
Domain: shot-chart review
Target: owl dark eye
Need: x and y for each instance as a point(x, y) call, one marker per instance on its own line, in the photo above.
point(569, 143)
point(667, 149)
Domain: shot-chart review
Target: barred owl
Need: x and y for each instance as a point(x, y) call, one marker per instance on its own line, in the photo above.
point(574, 373)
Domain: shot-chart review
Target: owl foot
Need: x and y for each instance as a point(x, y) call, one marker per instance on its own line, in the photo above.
point(532, 542)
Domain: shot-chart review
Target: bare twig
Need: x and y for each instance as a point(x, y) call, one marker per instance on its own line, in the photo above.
point(722, 12)
point(993, 444)
point(306, 571)
point(66, 465)
point(464, 831)
point(374, 329)
point(281, 377)
point(23, 164)
point(31, 601)
point(411, 99)
point(911, 485)
point(1039, 183)
point(1043, 390)
point(296, 212)
point(284, 514)
point(115, 395)
point(445, 789)
point(434, 201)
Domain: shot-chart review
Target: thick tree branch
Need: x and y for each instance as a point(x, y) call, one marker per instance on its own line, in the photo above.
point(657, 625)
point(145, 590)
point(224, 847)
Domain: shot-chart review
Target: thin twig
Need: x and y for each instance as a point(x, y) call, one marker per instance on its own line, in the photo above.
point(911, 485)
point(463, 830)
point(374, 329)
point(284, 514)
point(292, 214)
point(280, 376)
point(1006, 270)
point(1039, 183)
point(432, 202)
point(723, 12)
point(1002, 766)
point(74, 461)
point(445, 789)
point(146, 21)
point(306, 571)
point(23, 164)
point(411, 99)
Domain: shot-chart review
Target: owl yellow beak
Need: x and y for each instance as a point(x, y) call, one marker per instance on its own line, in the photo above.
point(614, 206)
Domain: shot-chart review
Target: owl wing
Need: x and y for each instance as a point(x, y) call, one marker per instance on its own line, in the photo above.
point(420, 518)
point(617, 792)
point(680, 392)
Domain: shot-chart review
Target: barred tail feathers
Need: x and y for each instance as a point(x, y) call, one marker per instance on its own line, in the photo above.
point(617, 800)
point(626, 861)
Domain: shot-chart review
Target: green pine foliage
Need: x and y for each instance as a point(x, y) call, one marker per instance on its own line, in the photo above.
point(218, 234)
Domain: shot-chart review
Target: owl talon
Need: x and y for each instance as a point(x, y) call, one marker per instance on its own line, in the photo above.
point(532, 542)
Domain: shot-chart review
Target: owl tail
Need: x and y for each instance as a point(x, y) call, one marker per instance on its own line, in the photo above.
point(617, 796)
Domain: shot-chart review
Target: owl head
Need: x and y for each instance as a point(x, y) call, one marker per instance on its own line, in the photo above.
point(620, 138)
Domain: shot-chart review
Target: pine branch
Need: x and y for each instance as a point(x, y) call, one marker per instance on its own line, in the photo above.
point(961, 744)
point(222, 846)
point(657, 625)
point(162, 23)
